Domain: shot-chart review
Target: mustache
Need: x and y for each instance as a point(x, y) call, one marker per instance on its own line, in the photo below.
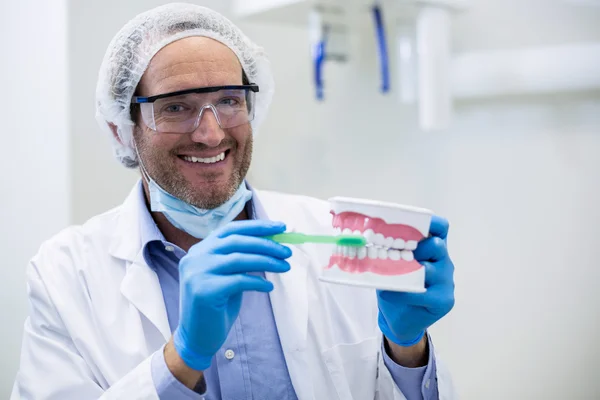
point(227, 143)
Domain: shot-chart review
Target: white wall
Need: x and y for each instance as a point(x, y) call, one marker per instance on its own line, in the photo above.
point(517, 177)
point(34, 162)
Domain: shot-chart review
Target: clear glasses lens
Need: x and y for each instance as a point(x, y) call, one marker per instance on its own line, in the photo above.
point(182, 114)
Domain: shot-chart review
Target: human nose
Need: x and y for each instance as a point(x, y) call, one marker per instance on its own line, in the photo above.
point(209, 130)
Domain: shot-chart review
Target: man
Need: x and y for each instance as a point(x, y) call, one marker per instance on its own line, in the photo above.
point(176, 294)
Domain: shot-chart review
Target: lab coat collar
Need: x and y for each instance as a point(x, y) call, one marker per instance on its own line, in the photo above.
point(142, 288)
point(126, 241)
point(140, 285)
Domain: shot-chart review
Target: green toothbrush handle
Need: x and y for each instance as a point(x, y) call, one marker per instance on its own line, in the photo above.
point(300, 238)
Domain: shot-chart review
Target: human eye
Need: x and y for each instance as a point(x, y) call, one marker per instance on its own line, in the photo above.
point(229, 101)
point(174, 108)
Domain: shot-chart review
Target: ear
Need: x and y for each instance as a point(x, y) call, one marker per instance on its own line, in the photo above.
point(115, 132)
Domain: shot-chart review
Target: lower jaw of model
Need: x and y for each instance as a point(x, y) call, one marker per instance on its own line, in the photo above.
point(392, 233)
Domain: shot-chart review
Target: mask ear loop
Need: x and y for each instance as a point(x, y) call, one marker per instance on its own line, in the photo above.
point(145, 173)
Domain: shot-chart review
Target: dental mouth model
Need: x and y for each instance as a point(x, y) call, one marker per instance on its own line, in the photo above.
point(392, 232)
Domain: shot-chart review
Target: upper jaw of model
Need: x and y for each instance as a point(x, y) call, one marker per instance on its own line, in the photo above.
point(392, 232)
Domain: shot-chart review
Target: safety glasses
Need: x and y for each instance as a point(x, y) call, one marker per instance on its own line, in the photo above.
point(181, 112)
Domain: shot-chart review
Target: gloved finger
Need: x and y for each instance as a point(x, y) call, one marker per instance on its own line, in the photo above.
point(438, 273)
point(399, 299)
point(437, 298)
point(239, 263)
point(252, 245)
point(235, 284)
point(251, 228)
point(439, 227)
point(431, 249)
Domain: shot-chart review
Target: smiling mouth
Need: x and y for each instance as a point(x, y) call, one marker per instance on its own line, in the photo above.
point(209, 160)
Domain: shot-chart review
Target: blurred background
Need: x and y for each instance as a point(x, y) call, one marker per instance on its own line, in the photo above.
point(492, 119)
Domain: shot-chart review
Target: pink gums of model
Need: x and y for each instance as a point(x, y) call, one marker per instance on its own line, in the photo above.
point(389, 250)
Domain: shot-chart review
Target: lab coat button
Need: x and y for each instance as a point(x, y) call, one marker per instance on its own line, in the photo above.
point(427, 384)
point(169, 248)
point(229, 354)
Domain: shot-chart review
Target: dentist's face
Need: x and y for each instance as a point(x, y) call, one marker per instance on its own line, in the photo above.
point(175, 160)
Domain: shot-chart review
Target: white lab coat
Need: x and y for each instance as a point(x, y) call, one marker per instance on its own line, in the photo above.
point(97, 315)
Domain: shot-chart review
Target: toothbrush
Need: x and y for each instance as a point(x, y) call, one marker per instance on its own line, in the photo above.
point(300, 238)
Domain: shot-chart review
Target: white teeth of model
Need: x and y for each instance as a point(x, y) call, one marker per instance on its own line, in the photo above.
point(347, 231)
point(352, 252)
point(378, 239)
point(399, 244)
point(368, 234)
point(388, 242)
point(362, 253)
point(338, 231)
point(407, 255)
point(382, 254)
point(394, 255)
point(372, 252)
point(345, 251)
point(411, 245)
point(357, 232)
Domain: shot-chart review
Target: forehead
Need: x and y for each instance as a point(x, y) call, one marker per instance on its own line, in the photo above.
point(190, 63)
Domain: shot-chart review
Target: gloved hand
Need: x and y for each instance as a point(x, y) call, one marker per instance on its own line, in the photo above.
point(404, 317)
point(213, 276)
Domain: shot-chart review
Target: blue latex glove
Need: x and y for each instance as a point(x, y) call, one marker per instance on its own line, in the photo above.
point(404, 317)
point(214, 275)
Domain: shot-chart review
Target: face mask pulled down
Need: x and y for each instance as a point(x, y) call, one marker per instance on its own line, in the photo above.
point(195, 221)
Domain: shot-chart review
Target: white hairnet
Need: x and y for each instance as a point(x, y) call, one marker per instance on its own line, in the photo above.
point(131, 50)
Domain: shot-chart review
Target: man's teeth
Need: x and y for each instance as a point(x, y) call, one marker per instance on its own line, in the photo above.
point(210, 160)
point(377, 239)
